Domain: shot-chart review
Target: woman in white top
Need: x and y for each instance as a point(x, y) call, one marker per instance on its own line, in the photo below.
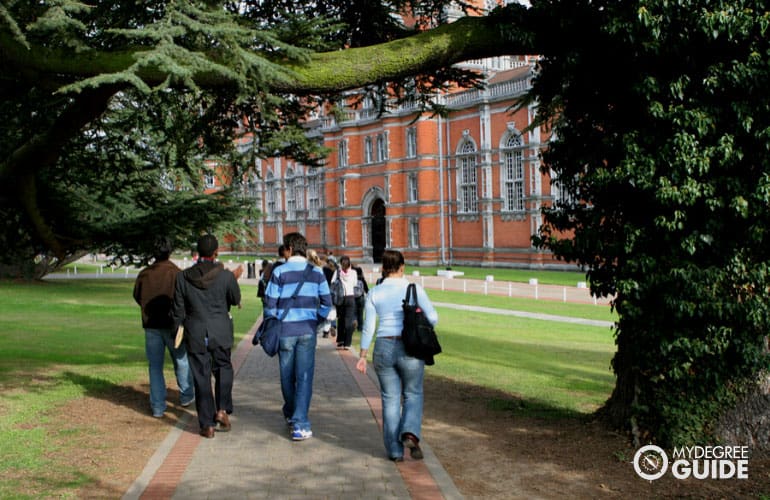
point(346, 313)
point(400, 375)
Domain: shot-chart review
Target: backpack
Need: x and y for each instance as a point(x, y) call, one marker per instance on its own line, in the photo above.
point(358, 290)
point(337, 290)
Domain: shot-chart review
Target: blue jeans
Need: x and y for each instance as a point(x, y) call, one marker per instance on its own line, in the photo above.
point(296, 359)
point(156, 341)
point(400, 376)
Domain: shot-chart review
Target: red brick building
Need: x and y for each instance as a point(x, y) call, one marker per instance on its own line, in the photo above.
point(462, 189)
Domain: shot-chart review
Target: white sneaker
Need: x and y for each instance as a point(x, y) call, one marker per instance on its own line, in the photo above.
point(301, 435)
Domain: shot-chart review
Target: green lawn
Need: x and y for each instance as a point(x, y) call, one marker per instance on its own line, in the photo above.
point(555, 368)
point(62, 340)
point(544, 277)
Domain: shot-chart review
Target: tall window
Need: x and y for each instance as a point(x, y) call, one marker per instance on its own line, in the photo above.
point(209, 181)
point(270, 189)
point(560, 192)
point(414, 233)
point(411, 142)
point(313, 196)
point(299, 187)
point(342, 192)
point(513, 174)
point(251, 188)
point(344, 234)
point(342, 153)
point(411, 183)
point(382, 147)
point(368, 150)
point(467, 183)
point(291, 199)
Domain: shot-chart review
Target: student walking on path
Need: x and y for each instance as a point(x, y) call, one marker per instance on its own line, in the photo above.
point(154, 292)
point(204, 295)
point(297, 346)
point(400, 375)
point(346, 312)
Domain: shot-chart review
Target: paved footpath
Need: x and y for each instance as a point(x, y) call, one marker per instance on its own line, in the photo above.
point(345, 458)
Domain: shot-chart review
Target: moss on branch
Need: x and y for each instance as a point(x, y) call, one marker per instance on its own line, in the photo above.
point(467, 38)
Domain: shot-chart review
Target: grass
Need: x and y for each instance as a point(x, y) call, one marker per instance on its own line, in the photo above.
point(554, 368)
point(62, 340)
point(65, 339)
point(544, 277)
point(570, 309)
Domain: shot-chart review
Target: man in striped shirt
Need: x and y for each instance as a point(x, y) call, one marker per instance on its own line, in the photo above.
point(296, 353)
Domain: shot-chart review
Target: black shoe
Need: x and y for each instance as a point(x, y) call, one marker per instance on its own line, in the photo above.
point(410, 441)
point(396, 459)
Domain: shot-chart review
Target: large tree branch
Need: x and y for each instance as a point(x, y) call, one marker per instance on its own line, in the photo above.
point(44, 148)
point(467, 38)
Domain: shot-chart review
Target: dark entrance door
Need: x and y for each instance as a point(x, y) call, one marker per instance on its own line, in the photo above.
point(378, 229)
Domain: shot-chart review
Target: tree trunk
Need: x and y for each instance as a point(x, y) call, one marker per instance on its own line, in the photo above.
point(618, 410)
point(748, 422)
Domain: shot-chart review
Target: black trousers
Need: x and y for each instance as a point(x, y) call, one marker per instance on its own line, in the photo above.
point(360, 303)
point(346, 314)
point(207, 402)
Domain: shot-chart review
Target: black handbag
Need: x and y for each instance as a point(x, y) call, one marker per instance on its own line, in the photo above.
point(418, 335)
point(269, 331)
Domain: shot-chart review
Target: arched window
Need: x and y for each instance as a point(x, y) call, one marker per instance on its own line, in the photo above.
point(512, 154)
point(467, 189)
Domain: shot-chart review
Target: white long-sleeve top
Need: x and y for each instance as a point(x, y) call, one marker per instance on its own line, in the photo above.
point(349, 280)
point(385, 302)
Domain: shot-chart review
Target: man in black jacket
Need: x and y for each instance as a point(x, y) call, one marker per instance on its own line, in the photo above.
point(203, 296)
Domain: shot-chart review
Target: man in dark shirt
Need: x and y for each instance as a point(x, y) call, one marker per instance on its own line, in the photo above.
point(154, 292)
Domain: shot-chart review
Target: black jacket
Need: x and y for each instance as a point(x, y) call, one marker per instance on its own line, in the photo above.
point(202, 299)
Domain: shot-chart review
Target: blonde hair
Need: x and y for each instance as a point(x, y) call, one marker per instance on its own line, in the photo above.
point(313, 258)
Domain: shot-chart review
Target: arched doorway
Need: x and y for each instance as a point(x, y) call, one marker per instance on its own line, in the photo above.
point(378, 237)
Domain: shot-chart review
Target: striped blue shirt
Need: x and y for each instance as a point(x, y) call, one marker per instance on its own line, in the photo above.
point(313, 302)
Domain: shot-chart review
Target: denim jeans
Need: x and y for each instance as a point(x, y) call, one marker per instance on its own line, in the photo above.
point(296, 358)
point(399, 375)
point(156, 341)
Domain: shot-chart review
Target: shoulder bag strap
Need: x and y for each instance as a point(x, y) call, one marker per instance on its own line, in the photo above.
point(305, 276)
point(411, 291)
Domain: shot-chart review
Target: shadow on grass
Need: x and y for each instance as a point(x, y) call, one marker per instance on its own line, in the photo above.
point(497, 401)
point(128, 396)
